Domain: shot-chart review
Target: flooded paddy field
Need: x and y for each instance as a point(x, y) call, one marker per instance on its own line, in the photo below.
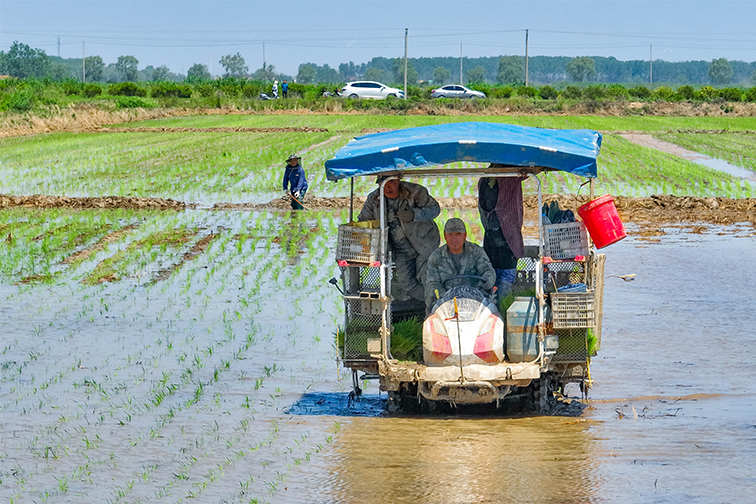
point(201, 364)
point(670, 417)
point(172, 337)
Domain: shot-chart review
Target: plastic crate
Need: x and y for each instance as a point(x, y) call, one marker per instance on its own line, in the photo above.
point(358, 244)
point(565, 241)
point(573, 310)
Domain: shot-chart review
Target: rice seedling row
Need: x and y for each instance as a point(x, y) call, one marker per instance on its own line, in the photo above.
point(146, 390)
point(355, 124)
point(207, 168)
point(200, 168)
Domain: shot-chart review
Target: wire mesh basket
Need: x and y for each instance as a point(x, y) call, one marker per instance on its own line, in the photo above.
point(573, 309)
point(565, 241)
point(573, 345)
point(555, 275)
point(358, 244)
point(363, 322)
point(363, 310)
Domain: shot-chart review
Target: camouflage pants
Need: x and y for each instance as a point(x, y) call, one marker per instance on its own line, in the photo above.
point(410, 274)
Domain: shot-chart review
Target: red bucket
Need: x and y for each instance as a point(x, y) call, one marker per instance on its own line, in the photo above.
point(602, 221)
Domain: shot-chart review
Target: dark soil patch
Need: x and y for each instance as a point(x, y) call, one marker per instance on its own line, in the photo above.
point(84, 254)
point(197, 249)
point(126, 202)
point(660, 208)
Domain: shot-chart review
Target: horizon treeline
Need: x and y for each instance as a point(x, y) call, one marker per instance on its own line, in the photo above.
point(22, 61)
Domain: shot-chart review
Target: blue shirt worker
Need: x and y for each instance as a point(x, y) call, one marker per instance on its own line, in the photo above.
point(457, 257)
point(295, 181)
point(285, 89)
point(412, 233)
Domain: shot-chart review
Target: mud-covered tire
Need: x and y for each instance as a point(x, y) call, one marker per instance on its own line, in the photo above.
point(427, 406)
point(394, 402)
point(403, 400)
point(543, 395)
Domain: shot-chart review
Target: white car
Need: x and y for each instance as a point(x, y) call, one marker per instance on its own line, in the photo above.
point(370, 89)
point(456, 91)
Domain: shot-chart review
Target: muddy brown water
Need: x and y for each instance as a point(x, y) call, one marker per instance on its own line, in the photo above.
point(253, 407)
point(671, 417)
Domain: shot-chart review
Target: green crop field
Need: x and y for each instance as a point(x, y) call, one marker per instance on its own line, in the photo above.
point(161, 356)
point(209, 167)
point(355, 123)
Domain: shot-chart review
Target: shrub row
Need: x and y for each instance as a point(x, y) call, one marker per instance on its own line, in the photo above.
point(619, 92)
point(23, 95)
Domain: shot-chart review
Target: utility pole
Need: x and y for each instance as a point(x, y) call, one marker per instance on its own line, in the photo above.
point(460, 63)
point(650, 63)
point(405, 63)
point(83, 63)
point(263, 55)
point(526, 58)
point(58, 47)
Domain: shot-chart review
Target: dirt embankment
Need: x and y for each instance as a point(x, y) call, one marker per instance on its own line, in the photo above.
point(127, 202)
point(88, 118)
point(653, 209)
point(80, 120)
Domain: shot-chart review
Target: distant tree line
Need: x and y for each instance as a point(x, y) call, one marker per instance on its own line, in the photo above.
point(558, 69)
point(23, 61)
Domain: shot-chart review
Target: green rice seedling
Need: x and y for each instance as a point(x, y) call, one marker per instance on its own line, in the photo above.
point(506, 301)
point(407, 340)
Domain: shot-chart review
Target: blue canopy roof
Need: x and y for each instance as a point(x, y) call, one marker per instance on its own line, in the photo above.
point(572, 151)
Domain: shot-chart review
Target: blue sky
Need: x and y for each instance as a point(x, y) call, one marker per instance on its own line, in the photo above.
point(181, 33)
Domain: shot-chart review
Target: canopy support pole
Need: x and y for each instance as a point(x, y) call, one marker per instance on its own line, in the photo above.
point(539, 288)
point(351, 199)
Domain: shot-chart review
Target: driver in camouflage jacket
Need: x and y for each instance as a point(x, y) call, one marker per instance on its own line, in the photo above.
point(457, 257)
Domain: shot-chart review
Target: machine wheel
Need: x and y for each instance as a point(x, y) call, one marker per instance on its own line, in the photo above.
point(402, 400)
point(543, 396)
point(427, 406)
point(394, 404)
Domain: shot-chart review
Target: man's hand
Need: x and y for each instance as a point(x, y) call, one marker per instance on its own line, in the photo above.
point(405, 215)
point(296, 194)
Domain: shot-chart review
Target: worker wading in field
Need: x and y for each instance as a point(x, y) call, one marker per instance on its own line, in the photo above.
point(295, 181)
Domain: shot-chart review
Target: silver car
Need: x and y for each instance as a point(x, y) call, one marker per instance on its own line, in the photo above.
point(370, 89)
point(456, 91)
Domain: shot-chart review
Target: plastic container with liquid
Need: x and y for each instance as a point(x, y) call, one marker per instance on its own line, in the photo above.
point(522, 330)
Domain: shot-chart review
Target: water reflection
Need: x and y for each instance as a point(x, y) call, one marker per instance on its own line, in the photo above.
point(387, 460)
point(722, 165)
